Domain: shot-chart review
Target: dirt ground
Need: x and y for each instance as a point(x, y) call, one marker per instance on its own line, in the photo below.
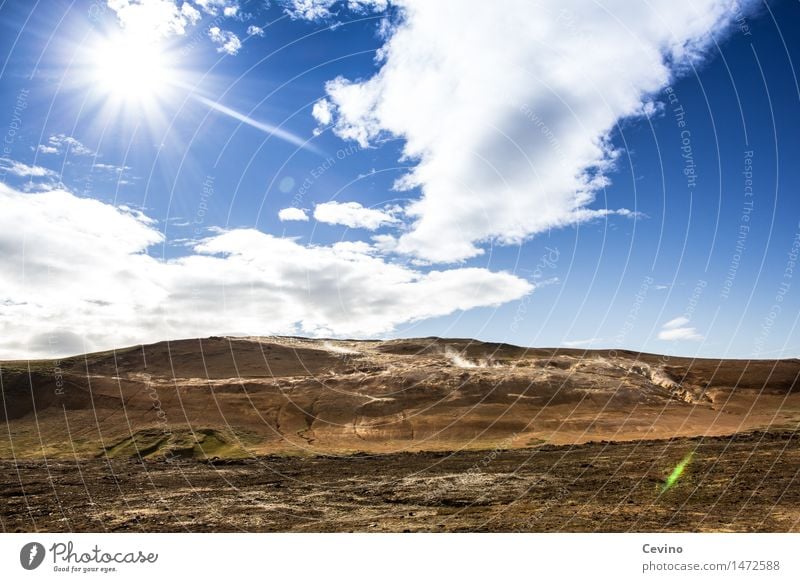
point(748, 482)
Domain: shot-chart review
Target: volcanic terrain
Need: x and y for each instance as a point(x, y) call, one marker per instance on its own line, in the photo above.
point(283, 433)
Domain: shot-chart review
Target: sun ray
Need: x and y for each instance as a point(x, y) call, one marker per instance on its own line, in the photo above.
point(268, 128)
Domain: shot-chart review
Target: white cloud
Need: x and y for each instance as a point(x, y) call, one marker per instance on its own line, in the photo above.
point(111, 168)
point(680, 334)
point(21, 170)
point(153, 19)
point(228, 42)
point(191, 13)
point(319, 9)
point(253, 30)
point(149, 18)
point(229, 7)
point(678, 329)
point(292, 214)
point(352, 215)
point(310, 9)
point(60, 143)
point(238, 281)
point(676, 323)
point(507, 112)
point(322, 112)
point(582, 343)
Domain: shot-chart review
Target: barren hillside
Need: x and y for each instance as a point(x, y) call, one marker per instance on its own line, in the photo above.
point(238, 397)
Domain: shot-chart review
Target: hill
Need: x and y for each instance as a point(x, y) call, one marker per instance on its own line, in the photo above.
point(231, 397)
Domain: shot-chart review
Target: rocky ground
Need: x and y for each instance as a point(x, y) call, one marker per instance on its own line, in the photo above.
point(744, 483)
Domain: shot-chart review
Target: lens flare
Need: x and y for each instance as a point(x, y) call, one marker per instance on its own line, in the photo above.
point(677, 472)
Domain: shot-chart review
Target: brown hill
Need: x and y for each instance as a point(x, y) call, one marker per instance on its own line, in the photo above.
point(233, 397)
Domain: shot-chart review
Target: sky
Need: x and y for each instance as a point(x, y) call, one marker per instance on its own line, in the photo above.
point(551, 173)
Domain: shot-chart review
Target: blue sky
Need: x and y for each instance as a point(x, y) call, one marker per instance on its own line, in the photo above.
point(546, 175)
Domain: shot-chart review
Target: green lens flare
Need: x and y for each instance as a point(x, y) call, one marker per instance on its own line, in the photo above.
point(677, 472)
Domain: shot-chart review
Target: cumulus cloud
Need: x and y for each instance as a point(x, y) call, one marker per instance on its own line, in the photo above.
point(322, 112)
point(21, 170)
point(237, 281)
point(213, 7)
point(253, 30)
point(678, 329)
point(190, 13)
point(310, 9)
point(111, 168)
point(149, 18)
point(292, 214)
point(320, 9)
point(352, 215)
point(153, 19)
point(60, 143)
point(507, 112)
point(227, 41)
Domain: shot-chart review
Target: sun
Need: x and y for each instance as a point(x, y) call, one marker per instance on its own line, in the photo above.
point(129, 68)
point(131, 76)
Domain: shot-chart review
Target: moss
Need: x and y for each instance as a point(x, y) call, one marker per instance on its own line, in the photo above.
point(202, 444)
